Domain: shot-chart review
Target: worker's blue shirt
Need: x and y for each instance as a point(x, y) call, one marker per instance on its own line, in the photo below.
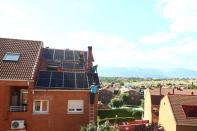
point(93, 89)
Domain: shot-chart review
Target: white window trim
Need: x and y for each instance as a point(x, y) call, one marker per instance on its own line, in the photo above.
point(75, 109)
point(40, 112)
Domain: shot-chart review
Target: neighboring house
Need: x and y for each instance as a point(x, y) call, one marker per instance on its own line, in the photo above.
point(43, 89)
point(152, 98)
point(135, 97)
point(109, 88)
point(178, 113)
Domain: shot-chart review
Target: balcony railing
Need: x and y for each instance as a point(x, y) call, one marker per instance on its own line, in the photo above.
point(18, 108)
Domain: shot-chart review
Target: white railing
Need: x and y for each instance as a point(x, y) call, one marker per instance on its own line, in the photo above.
point(18, 108)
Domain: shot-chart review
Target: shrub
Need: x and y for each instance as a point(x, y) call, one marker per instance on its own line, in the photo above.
point(116, 102)
point(116, 92)
point(111, 113)
point(137, 114)
point(117, 120)
point(89, 127)
point(125, 98)
point(120, 112)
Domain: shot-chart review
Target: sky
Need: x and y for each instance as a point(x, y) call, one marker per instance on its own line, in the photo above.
point(124, 33)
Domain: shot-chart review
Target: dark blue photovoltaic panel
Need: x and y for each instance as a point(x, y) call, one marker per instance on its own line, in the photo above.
point(85, 56)
point(81, 80)
point(69, 55)
point(57, 79)
point(69, 80)
point(76, 55)
point(78, 66)
point(68, 65)
point(43, 79)
point(59, 55)
point(48, 54)
point(48, 79)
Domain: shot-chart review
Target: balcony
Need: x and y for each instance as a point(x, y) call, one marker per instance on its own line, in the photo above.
point(18, 100)
point(18, 108)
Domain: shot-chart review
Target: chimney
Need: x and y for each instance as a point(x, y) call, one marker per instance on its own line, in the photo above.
point(159, 86)
point(160, 89)
point(90, 59)
point(173, 91)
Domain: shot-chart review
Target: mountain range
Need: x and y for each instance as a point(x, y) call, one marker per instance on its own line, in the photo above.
point(147, 72)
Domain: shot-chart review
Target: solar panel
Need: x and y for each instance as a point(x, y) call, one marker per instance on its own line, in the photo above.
point(69, 80)
point(48, 53)
point(68, 65)
point(81, 80)
point(43, 79)
point(85, 56)
point(76, 53)
point(57, 79)
point(59, 55)
point(69, 55)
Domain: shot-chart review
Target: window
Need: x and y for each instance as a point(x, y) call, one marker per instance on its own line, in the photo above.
point(190, 111)
point(75, 106)
point(41, 106)
point(11, 56)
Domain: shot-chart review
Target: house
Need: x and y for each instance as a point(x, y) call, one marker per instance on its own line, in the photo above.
point(44, 89)
point(152, 98)
point(178, 113)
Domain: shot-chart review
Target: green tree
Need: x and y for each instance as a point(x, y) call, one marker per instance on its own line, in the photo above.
point(116, 102)
point(124, 98)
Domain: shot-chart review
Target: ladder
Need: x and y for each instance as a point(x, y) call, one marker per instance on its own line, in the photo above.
point(91, 114)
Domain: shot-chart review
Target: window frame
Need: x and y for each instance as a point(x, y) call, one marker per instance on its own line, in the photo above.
point(6, 56)
point(75, 109)
point(41, 107)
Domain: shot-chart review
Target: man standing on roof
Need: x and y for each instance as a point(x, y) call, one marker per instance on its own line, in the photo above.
point(93, 90)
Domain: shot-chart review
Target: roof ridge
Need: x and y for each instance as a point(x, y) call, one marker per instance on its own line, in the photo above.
point(20, 39)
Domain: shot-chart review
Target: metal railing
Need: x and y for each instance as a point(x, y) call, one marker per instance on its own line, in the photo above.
point(18, 108)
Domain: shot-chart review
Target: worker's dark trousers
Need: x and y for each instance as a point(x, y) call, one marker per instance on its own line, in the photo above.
point(92, 97)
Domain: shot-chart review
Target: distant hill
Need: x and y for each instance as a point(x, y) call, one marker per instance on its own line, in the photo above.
point(147, 72)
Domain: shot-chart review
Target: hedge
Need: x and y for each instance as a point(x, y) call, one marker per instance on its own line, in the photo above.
point(116, 120)
point(119, 112)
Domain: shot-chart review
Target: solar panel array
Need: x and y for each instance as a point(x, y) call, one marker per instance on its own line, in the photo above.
point(68, 59)
point(52, 79)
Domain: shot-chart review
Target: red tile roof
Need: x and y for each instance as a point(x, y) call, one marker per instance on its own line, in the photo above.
point(166, 91)
point(155, 99)
point(25, 68)
point(176, 102)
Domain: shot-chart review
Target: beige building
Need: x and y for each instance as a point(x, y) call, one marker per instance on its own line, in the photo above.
point(178, 113)
point(151, 106)
point(152, 98)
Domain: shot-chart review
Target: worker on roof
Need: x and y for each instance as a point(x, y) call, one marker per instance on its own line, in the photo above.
point(93, 90)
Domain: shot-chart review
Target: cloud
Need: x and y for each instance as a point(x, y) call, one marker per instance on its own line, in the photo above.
point(157, 38)
point(181, 13)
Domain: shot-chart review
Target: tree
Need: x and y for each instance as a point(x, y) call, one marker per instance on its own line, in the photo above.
point(116, 102)
point(105, 96)
point(125, 98)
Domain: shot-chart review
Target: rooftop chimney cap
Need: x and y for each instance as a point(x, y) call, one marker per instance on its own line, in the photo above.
point(90, 47)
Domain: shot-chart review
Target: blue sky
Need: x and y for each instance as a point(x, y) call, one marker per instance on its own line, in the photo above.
point(126, 33)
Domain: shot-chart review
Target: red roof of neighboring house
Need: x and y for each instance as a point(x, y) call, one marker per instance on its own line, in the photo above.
point(24, 68)
point(176, 102)
point(155, 99)
point(166, 91)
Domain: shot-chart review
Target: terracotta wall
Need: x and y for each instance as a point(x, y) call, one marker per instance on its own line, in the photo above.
point(56, 120)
